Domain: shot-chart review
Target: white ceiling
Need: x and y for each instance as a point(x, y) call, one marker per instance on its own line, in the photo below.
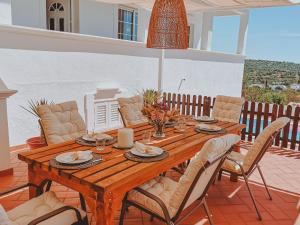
point(210, 5)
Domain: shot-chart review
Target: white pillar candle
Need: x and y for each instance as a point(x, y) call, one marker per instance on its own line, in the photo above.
point(125, 137)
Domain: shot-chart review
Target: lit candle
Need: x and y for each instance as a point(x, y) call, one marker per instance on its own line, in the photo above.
point(125, 137)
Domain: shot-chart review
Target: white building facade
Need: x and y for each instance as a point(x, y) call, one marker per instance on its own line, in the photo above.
point(90, 54)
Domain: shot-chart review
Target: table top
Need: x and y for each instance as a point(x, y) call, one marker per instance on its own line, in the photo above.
point(117, 172)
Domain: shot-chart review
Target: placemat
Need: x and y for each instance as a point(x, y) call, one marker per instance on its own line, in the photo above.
point(80, 141)
point(223, 131)
point(96, 160)
point(132, 157)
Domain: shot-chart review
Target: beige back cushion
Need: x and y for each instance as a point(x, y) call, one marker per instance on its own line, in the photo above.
point(211, 150)
point(4, 220)
point(131, 110)
point(228, 108)
point(61, 122)
point(260, 141)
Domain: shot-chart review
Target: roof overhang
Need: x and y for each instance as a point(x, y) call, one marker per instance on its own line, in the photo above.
point(210, 5)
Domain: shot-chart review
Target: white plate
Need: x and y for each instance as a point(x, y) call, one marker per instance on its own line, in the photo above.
point(66, 158)
point(93, 139)
point(204, 118)
point(210, 128)
point(156, 152)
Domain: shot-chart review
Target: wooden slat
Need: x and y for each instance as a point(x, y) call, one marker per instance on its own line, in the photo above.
point(266, 114)
point(280, 114)
point(173, 101)
point(164, 97)
point(183, 105)
point(178, 102)
point(286, 129)
point(188, 105)
point(295, 128)
point(199, 107)
point(258, 119)
point(250, 131)
point(206, 106)
point(194, 104)
point(245, 117)
point(169, 99)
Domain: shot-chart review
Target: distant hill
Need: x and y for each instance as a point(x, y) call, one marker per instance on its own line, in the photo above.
point(260, 71)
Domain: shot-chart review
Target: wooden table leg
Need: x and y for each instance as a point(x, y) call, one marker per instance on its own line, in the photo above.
point(105, 208)
point(33, 178)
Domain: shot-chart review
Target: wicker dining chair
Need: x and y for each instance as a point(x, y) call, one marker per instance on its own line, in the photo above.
point(228, 108)
point(44, 209)
point(61, 122)
point(131, 110)
point(244, 165)
point(165, 199)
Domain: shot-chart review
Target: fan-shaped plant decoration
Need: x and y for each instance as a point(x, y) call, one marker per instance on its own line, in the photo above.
point(168, 28)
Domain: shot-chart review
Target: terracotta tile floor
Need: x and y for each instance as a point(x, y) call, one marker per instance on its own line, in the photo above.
point(229, 202)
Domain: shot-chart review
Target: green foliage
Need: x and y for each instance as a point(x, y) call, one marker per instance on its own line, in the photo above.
point(34, 104)
point(151, 96)
point(263, 72)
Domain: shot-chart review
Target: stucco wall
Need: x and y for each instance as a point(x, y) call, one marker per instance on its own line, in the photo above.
point(63, 66)
point(30, 13)
point(98, 18)
point(5, 11)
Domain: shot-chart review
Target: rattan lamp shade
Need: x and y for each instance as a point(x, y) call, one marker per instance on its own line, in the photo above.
point(168, 28)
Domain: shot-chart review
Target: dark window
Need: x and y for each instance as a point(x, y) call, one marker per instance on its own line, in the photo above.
point(127, 24)
point(62, 24)
point(51, 25)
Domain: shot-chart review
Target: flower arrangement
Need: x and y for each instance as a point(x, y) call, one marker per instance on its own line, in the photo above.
point(159, 114)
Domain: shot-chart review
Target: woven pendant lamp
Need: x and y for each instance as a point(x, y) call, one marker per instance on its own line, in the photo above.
point(168, 28)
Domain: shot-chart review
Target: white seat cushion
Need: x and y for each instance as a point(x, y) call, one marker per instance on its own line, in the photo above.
point(4, 220)
point(61, 122)
point(131, 110)
point(39, 206)
point(228, 108)
point(172, 193)
point(162, 187)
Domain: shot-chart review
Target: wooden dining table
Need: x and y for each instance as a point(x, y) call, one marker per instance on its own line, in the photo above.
point(105, 185)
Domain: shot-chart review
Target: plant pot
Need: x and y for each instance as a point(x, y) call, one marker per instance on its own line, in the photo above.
point(35, 142)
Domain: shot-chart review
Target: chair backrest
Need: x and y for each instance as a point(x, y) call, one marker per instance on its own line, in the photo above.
point(61, 122)
point(263, 141)
point(228, 108)
point(201, 171)
point(131, 110)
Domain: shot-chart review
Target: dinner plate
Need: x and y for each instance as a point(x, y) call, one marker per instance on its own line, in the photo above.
point(204, 119)
point(66, 158)
point(88, 138)
point(156, 152)
point(209, 128)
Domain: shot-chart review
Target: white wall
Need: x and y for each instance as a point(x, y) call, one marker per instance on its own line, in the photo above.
point(98, 19)
point(30, 13)
point(5, 11)
point(64, 66)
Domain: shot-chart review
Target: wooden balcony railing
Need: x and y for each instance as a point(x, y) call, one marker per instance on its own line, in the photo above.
point(256, 116)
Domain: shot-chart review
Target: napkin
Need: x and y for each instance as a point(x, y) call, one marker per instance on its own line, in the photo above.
point(79, 155)
point(103, 136)
point(208, 127)
point(145, 149)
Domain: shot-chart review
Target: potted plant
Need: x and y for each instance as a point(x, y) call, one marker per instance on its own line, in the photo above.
point(36, 142)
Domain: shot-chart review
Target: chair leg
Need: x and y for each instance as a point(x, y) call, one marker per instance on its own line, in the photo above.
point(207, 212)
point(263, 179)
point(220, 175)
point(252, 197)
point(48, 185)
point(123, 211)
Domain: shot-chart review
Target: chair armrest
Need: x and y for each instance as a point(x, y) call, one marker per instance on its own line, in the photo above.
point(55, 213)
point(156, 199)
point(21, 187)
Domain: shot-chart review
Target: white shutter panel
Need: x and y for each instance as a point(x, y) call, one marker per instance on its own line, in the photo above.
point(114, 117)
point(101, 121)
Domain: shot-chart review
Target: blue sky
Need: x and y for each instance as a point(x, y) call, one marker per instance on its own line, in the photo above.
point(274, 34)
